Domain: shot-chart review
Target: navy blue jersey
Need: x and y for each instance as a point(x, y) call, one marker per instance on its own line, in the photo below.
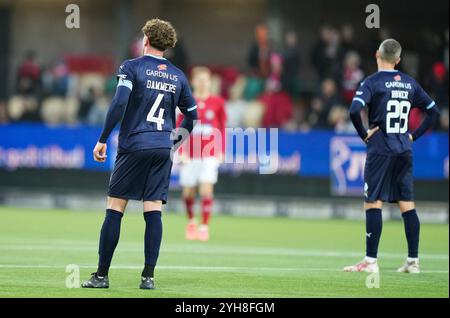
point(157, 88)
point(389, 96)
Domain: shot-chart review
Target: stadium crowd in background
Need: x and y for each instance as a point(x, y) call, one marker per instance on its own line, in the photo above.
point(273, 92)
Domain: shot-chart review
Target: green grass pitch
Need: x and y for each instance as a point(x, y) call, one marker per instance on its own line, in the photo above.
point(246, 257)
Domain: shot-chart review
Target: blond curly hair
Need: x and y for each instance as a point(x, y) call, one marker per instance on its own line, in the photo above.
point(161, 34)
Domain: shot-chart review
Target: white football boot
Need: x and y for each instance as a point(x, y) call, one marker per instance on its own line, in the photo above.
point(411, 266)
point(368, 265)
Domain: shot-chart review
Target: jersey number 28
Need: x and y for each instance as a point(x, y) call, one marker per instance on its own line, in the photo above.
point(397, 116)
point(151, 114)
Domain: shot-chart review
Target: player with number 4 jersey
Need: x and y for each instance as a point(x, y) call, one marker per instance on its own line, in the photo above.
point(388, 97)
point(149, 90)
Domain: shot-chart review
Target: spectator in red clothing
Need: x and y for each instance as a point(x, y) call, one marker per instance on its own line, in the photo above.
point(438, 85)
point(352, 76)
point(278, 106)
point(438, 89)
point(276, 70)
point(28, 75)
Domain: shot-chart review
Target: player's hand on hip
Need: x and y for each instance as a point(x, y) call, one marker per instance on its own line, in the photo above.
point(99, 152)
point(371, 132)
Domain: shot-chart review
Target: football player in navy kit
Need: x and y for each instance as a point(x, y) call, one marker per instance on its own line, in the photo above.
point(388, 97)
point(148, 91)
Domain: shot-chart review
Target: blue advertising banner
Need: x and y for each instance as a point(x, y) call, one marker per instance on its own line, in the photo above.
point(309, 154)
point(60, 147)
point(348, 156)
point(347, 159)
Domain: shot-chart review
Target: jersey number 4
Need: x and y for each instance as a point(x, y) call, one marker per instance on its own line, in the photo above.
point(397, 116)
point(151, 114)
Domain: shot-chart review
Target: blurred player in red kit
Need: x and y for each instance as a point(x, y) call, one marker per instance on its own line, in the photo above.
point(201, 155)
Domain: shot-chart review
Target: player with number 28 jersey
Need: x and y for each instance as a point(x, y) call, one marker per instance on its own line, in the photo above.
point(388, 97)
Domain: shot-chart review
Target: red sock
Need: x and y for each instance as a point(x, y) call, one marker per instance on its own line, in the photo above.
point(189, 202)
point(206, 209)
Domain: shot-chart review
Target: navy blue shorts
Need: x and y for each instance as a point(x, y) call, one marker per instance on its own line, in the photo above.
point(141, 175)
point(388, 178)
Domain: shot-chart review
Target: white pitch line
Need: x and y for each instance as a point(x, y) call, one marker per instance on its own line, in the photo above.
point(208, 249)
point(200, 268)
point(177, 267)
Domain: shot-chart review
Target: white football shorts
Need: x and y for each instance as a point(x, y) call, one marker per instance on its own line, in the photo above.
point(198, 171)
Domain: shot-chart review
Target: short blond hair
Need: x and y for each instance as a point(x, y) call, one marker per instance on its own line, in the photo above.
point(161, 34)
point(390, 50)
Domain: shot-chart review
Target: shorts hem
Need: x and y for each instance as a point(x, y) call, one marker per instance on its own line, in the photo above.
point(124, 197)
point(134, 198)
point(164, 201)
point(389, 201)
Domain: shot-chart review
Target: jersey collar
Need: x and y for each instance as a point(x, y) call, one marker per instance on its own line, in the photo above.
point(156, 57)
point(390, 71)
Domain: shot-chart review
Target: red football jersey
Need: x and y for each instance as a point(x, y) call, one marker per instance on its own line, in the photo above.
point(208, 137)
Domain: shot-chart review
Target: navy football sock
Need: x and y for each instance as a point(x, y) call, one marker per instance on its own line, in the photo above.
point(412, 231)
point(109, 237)
point(374, 225)
point(153, 236)
point(148, 271)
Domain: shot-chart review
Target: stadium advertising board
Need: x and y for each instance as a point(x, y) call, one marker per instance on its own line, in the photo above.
point(308, 154)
